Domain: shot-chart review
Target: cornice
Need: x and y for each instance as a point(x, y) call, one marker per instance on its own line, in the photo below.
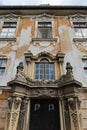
point(40, 9)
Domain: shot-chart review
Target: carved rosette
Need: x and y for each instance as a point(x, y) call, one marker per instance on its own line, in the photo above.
point(13, 112)
point(74, 106)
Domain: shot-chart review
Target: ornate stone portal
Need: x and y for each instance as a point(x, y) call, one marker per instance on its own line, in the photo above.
point(23, 89)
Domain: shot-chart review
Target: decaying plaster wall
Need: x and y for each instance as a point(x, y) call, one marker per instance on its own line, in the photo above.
point(14, 50)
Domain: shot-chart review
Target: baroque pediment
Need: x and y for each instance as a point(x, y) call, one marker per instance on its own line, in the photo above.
point(44, 17)
point(78, 17)
point(10, 17)
point(29, 56)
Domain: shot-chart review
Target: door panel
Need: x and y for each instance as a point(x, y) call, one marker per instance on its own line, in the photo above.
point(44, 115)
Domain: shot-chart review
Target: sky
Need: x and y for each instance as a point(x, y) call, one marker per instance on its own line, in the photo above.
point(39, 2)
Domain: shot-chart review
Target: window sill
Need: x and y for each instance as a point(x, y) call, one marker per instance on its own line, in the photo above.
point(43, 39)
point(79, 39)
point(8, 39)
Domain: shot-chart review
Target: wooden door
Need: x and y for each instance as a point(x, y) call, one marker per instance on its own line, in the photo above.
point(44, 115)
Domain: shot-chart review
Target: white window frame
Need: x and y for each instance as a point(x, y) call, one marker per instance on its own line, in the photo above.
point(8, 29)
point(80, 29)
point(3, 66)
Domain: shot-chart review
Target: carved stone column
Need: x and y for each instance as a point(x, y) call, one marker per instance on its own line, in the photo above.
point(74, 106)
point(27, 115)
point(62, 119)
point(23, 123)
point(66, 114)
point(13, 113)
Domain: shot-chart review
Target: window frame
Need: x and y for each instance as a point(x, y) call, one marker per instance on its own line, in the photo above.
point(3, 67)
point(81, 27)
point(44, 25)
point(7, 30)
point(44, 69)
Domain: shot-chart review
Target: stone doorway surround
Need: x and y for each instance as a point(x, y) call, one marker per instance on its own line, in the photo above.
point(66, 89)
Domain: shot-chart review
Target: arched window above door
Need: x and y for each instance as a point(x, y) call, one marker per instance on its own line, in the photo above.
point(44, 70)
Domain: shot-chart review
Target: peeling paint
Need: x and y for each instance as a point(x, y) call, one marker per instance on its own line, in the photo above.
point(25, 37)
point(82, 48)
point(21, 50)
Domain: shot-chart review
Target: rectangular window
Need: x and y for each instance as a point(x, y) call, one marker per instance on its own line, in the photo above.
point(44, 30)
point(85, 67)
point(3, 63)
point(44, 71)
point(8, 30)
point(80, 29)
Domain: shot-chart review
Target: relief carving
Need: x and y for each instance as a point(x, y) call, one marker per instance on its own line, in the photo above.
point(44, 92)
point(74, 106)
point(66, 114)
point(13, 112)
point(10, 102)
point(23, 110)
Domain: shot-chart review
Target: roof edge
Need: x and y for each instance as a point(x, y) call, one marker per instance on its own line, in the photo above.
point(43, 7)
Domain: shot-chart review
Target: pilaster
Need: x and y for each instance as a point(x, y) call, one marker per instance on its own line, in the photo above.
point(14, 103)
point(74, 111)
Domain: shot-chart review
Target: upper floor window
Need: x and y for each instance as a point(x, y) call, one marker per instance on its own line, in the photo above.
point(3, 63)
point(8, 30)
point(80, 29)
point(85, 67)
point(44, 70)
point(45, 30)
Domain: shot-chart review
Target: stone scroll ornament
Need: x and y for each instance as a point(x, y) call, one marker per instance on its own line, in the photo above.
point(13, 113)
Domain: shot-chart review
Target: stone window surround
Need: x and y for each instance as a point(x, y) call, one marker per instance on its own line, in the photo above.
point(58, 61)
point(78, 18)
point(9, 18)
point(47, 18)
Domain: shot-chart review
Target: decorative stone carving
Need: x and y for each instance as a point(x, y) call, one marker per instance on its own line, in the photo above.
point(78, 18)
point(69, 69)
point(59, 56)
point(23, 78)
point(66, 114)
point(10, 17)
point(23, 110)
point(13, 112)
point(73, 102)
point(44, 17)
point(10, 102)
point(68, 77)
point(45, 92)
point(20, 76)
point(16, 101)
point(74, 105)
point(20, 67)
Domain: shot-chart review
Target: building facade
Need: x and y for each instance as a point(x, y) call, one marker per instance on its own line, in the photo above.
point(43, 68)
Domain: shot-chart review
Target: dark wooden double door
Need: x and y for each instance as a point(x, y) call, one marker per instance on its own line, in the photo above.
point(44, 114)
